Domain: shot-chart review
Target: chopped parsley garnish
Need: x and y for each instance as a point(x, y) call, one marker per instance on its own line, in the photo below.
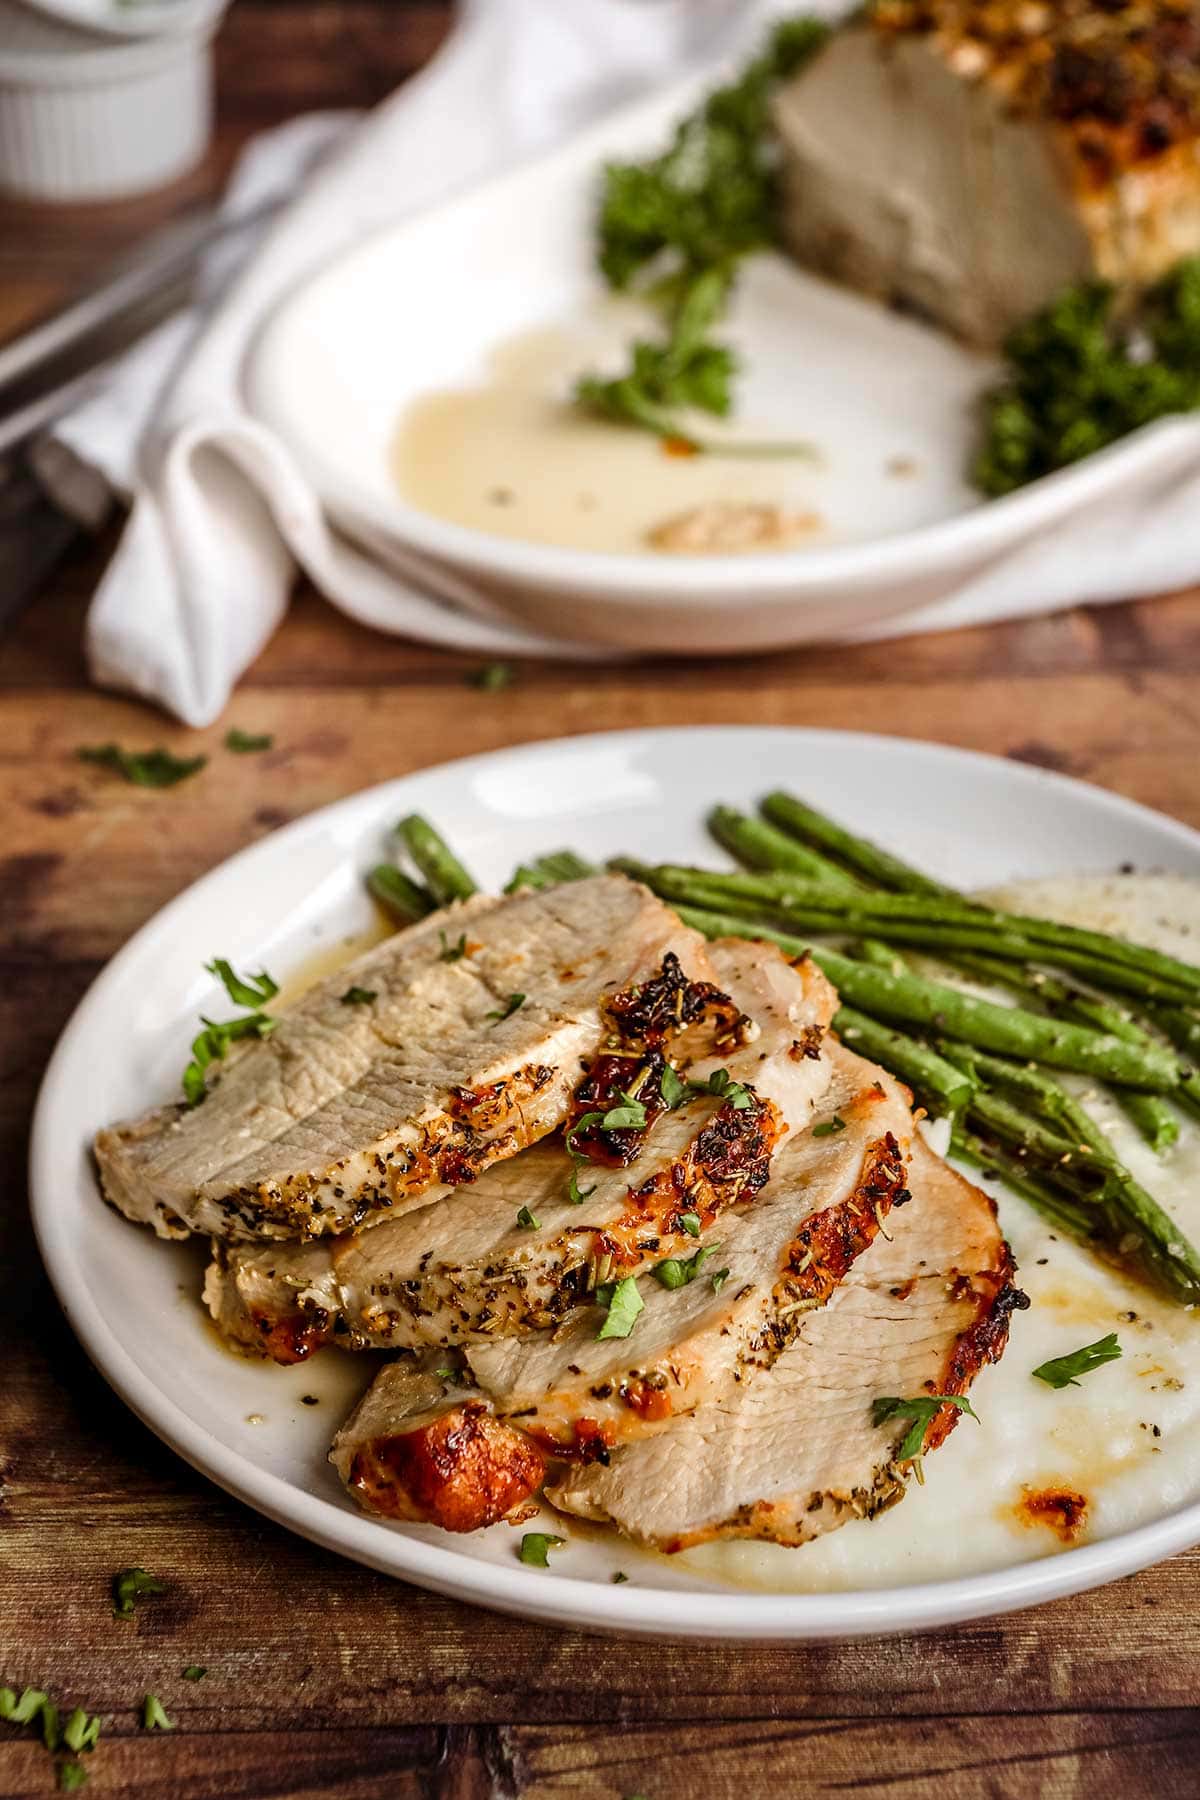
point(536, 1547)
point(71, 1777)
point(676, 1272)
point(452, 952)
point(618, 1576)
point(511, 1005)
point(526, 1218)
point(212, 1043)
point(624, 1305)
point(575, 1194)
point(248, 990)
point(195, 1672)
point(680, 223)
point(920, 1410)
point(690, 1222)
point(722, 1084)
point(359, 996)
point(1064, 1371)
point(246, 743)
point(154, 1716)
point(672, 1087)
point(144, 768)
point(719, 1277)
point(492, 678)
point(582, 1123)
point(629, 1116)
point(1085, 371)
point(131, 1585)
point(830, 1126)
point(675, 1090)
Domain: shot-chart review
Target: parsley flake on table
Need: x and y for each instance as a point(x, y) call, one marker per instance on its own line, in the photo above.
point(81, 1732)
point(624, 1305)
point(247, 743)
point(131, 1585)
point(154, 1716)
point(536, 1546)
point(492, 678)
point(71, 1777)
point(144, 768)
point(195, 1672)
point(1064, 1371)
point(359, 996)
point(513, 1004)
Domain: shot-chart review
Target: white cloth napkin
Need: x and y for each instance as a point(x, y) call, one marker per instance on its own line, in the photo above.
point(220, 515)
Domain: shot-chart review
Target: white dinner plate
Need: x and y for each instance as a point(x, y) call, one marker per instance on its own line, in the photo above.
point(295, 897)
point(428, 305)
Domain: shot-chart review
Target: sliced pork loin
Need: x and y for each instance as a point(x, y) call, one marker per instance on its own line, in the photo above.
point(796, 1453)
point(576, 1395)
point(471, 1269)
point(419, 1447)
point(741, 1304)
point(347, 1112)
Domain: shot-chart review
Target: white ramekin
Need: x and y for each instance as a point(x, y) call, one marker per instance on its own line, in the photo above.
point(85, 116)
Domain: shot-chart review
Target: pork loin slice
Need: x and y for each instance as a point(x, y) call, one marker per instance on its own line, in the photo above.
point(795, 1453)
point(419, 1447)
point(945, 158)
point(457, 1272)
point(830, 1193)
point(345, 1112)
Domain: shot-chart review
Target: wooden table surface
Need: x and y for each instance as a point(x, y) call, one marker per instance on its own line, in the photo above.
point(324, 1679)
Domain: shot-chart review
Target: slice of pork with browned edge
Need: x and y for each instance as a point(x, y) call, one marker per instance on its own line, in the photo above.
point(420, 1447)
point(347, 1112)
point(831, 1191)
point(517, 1250)
point(796, 1452)
point(580, 1396)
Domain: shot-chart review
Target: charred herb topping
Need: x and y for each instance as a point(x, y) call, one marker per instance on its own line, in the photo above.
point(144, 768)
point(1064, 1371)
point(359, 996)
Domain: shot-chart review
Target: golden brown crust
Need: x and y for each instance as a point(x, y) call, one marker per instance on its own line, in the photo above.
point(1121, 79)
point(463, 1471)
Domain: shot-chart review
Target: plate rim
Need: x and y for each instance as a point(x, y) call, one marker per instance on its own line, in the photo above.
point(620, 577)
point(716, 1613)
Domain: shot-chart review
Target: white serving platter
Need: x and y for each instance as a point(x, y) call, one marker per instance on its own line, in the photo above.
point(298, 895)
point(427, 304)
